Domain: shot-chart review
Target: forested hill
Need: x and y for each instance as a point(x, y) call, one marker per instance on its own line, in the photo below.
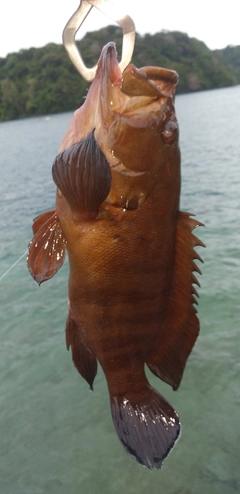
point(42, 81)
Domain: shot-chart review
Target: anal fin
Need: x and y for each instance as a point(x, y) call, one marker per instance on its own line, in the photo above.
point(180, 327)
point(84, 360)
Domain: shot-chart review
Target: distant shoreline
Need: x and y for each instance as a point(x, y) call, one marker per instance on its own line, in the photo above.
point(43, 81)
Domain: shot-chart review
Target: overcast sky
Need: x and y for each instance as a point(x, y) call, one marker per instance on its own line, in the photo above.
point(27, 23)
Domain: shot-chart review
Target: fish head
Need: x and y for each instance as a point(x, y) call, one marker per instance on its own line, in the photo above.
point(132, 120)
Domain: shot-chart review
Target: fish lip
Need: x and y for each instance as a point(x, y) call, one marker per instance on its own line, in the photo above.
point(108, 67)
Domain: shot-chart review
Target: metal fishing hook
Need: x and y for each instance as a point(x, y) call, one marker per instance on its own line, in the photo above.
point(74, 23)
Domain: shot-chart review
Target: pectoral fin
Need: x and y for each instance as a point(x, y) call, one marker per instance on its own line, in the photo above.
point(46, 251)
point(180, 327)
point(83, 175)
point(84, 360)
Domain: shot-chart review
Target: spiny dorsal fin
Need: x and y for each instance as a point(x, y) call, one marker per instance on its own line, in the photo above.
point(46, 251)
point(180, 327)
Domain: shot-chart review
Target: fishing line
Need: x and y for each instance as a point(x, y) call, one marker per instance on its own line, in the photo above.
point(9, 269)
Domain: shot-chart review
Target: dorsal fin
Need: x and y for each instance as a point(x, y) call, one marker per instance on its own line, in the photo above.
point(46, 251)
point(180, 327)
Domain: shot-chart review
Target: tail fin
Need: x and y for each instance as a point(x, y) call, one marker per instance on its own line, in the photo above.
point(146, 424)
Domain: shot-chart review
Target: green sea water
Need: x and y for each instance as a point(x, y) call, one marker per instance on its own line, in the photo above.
point(56, 437)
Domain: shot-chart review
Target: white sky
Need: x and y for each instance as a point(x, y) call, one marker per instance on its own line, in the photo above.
point(27, 23)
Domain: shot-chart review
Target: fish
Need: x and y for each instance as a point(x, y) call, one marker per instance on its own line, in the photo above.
point(131, 250)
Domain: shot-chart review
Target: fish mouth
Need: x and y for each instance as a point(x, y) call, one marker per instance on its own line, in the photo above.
point(149, 81)
point(108, 69)
point(127, 93)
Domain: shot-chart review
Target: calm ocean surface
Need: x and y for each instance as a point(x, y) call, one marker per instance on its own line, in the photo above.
point(55, 436)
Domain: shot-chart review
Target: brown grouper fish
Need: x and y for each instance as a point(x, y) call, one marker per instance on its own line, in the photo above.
point(131, 251)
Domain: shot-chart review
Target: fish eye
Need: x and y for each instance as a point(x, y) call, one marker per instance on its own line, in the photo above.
point(170, 130)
